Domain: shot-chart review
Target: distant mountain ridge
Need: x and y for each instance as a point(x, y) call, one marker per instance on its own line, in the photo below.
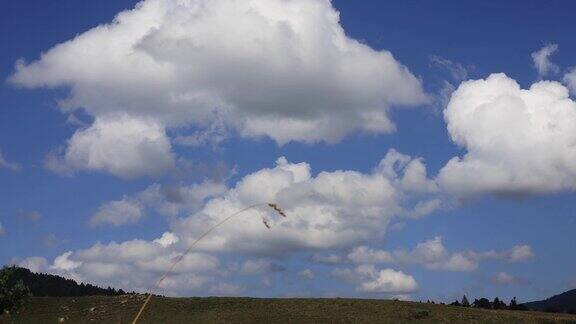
point(564, 302)
point(47, 285)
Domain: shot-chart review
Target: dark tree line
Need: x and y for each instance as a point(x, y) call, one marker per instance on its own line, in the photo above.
point(47, 285)
point(485, 303)
point(17, 284)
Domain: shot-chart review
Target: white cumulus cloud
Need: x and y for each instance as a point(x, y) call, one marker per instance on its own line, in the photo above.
point(118, 213)
point(284, 69)
point(518, 253)
point(325, 212)
point(331, 210)
point(121, 145)
point(34, 264)
point(504, 278)
point(385, 280)
point(167, 239)
point(135, 264)
point(517, 141)
point(433, 255)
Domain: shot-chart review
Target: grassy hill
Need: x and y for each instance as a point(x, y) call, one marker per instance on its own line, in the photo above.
point(121, 309)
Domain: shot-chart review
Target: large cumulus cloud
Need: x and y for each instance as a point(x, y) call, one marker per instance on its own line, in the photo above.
point(517, 141)
point(281, 69)
point(329, 210)
point(326, 212)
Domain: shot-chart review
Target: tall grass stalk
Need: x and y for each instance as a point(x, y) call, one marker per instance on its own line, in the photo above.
point(181, 257)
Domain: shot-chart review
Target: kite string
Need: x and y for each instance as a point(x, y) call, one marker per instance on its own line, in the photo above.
point(181, 257)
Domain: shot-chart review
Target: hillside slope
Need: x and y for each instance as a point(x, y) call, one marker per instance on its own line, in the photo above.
point(564, 302)
point(121, 309)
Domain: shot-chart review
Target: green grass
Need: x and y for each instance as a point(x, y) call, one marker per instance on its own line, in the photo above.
point(121, 309)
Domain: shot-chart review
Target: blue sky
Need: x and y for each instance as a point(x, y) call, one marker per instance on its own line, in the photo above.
point(182, 159)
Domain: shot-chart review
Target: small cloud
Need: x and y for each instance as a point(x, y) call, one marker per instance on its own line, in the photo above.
point(260, 266)
point(118, 213)
point(2, 230)
point(457, 71)
point(327, 259)
point(306, 273)
point(50, 241)
point(363, 254)
point(520, 253)
point(424, 208)
point(369, 279)
point(385, 280)
point(164, 199)
point(73, 120)
point(167, 239)
point(187, 170)
point(403, 297)
point(503, 278)
point(433, 255)
point(542, 62)
point(34, 264)
point(396, 227)
point(343, 274)
point(64, 263)
point(8, 165)
point(212, 136)
point(31, 216)
point(226, 289)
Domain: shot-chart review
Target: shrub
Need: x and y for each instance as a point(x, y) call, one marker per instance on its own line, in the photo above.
point(13, 295)
point(465, 302)
point(551, 309)
point(420, 314)
point(482, 303)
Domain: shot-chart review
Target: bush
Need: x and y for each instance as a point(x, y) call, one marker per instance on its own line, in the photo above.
point(465, 302)
point(420, 314)
point(498, 304)
point(515, 306)
point(551, 309)
point(12, 295)
point(482, 303)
